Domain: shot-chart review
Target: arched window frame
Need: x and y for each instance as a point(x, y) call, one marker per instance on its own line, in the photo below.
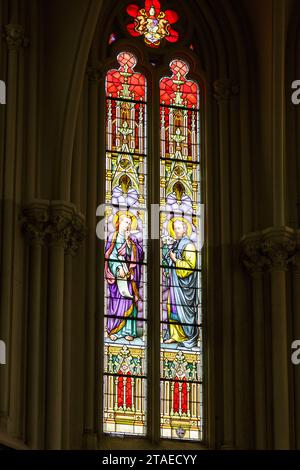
point(153, 74)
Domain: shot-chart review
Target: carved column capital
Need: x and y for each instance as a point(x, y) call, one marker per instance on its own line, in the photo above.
point(14, 36)
point(272, 249)
point(76, 235)
point(279, 246)
point(56, 222)
point(225, 89)
point(66, 226)
point(296, 260)
point(34, 219)
point(95, 73)
point(252, 255)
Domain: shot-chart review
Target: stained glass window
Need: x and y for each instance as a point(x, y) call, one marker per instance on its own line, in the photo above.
point(152, 23)
point(125, 381)
point(180, 219)
point(177, 129)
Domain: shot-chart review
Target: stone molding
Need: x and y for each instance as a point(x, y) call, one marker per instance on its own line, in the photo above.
point(50, 223)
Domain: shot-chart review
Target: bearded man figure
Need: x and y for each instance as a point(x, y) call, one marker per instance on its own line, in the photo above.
point(182, 301)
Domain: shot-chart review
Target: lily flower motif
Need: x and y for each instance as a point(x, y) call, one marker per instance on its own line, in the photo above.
point(152, 23)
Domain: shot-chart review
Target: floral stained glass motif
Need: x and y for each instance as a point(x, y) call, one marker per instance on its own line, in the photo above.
point(125, 366)
point(152, 23)
point(181, 265)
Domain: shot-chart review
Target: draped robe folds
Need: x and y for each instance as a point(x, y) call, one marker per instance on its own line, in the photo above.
point(182, 302)
point(123, 310)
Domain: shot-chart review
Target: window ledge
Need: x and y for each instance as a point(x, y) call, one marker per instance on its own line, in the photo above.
point(129, 443)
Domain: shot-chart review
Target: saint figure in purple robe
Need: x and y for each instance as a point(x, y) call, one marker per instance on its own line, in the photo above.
point(123, 270)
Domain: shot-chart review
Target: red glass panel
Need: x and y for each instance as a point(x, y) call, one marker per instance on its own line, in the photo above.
point(178, 86)
point(152, 23)
point(132, 10)
point(126, 80)
point(154, 3)
point(184, 403)
point(176, 397)
point(174, 36)
point(120, 392)
point(128, 391)
point(172, 16)
point(132, 31)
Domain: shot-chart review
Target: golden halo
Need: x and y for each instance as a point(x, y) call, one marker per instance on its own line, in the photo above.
point(134, 222)
point(182, 219)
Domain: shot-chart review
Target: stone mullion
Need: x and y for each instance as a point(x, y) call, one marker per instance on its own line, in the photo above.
point(224, 90)
point(90, 433)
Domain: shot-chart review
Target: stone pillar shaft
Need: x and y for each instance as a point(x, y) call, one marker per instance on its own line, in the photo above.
point(55, 347)
point(59, 225)
point(90, 435)
point(34, 347)
point(279, 111)
point(259, 360)
point(14, 35)
point(224, 90)
point(280, 360)
point(274, 249)
point(296, 331)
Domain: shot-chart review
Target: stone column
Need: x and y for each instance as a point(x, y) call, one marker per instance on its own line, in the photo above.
point(64, 232)
point(14, 36)
point(296, 336)
point(90, 433)
point(67, 356)
point(278, 245)
point(255, 262)
point(279, 110)
point(224, 90)
point(34, 220)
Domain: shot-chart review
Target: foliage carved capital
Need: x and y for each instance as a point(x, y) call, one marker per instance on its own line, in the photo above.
point(34, 219)
point(252, 256)
point(66, 226)
point(15, 37)
point(95, 74)
point(225, 89)
point(271, 249)
point(279, 245)
point(53, 223)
